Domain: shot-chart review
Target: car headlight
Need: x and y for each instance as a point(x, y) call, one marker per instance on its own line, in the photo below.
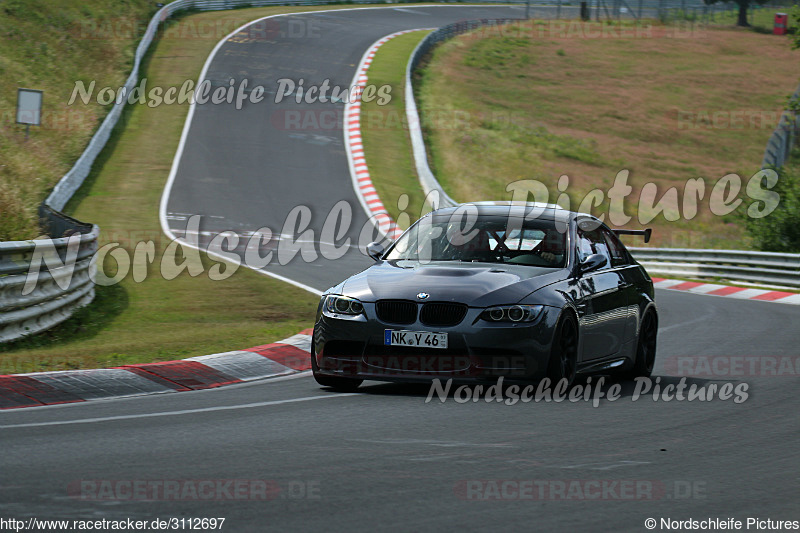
point(512, 313)
point(343, 305)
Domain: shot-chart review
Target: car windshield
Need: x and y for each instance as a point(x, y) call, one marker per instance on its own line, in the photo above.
point(483, 238)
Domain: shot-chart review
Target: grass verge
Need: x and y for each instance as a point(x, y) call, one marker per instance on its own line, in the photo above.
point(541, 100)
point(384, 133)
point(761, 18)
point(49, 46)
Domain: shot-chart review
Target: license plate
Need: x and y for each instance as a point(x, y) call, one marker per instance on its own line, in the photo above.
point(419, 339)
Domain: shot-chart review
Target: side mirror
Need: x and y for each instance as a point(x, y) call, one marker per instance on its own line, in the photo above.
point(375, 250)
point(593, 262)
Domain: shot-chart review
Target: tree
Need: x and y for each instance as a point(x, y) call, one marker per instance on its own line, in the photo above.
point(744, 5)
point(780, 230)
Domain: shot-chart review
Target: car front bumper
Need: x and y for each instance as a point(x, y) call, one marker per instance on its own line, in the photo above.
point(354, 347)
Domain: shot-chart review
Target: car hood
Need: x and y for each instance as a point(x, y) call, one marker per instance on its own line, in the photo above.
point(475, 284)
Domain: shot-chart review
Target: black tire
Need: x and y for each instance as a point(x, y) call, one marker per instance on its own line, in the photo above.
point(645, 348)
point(563, 363)
point(336, 383)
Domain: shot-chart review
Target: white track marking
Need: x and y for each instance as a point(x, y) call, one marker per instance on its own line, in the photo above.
point(790, 300)
point(706, 287)
point(747, 294)
point(353, 143)
point(667, 283)
point(406, 10)
point(178, 413)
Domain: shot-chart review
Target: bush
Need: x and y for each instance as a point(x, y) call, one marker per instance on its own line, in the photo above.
point(780, 230)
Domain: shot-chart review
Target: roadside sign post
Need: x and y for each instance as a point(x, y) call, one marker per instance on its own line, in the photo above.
point(29, 108)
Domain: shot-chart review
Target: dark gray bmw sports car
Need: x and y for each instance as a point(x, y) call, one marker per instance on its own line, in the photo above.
point(484, 290)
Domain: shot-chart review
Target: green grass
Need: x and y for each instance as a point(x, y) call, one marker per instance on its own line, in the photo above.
point(384, 132)
point(542, 101)
point(158, 319)
point(48, 45)
point(761, 18)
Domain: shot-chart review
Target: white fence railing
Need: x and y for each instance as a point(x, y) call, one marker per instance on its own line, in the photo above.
point(782, 140)
point(430, 185)
point(768, 268)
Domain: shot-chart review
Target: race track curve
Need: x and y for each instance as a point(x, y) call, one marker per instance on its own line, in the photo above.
point(383, 458)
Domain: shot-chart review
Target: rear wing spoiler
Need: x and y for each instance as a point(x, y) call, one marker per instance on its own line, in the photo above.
point(643, 232)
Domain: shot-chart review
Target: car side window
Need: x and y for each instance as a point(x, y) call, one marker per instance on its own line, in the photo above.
point(619, 256)
point(592, 242)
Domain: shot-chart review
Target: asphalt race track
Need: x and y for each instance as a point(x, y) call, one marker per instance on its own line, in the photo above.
point(383, 458)
point(243, 169)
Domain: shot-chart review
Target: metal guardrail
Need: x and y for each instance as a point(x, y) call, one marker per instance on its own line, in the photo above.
point(57, 292)
point(782, 140)
point(430, 185)
point(24, 313)
point(768, 268)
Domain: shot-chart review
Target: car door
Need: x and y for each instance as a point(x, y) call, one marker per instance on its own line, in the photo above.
point(602, 301)
point(622, 262)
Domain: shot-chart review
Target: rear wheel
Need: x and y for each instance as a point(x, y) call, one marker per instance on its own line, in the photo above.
point(645, 348)
point(563, 362)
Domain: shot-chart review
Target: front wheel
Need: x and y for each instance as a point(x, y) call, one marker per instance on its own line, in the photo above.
point(338, 384)
point(645, 348)
point(563, 362)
